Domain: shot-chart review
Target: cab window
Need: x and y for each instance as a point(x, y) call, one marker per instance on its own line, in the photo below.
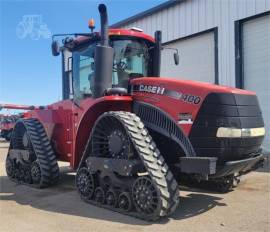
point(83, 72)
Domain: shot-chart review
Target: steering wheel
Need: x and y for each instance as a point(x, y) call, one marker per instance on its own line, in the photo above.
point(120, 66)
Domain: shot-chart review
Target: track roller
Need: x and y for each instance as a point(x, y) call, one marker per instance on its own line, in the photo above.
point(99, 195)
point(111, 198)
point(125, 202)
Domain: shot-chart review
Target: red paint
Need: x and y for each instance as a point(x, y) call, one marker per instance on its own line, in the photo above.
point(69, 125)
point(119, 32)
point(17, 107)
point(174, 107)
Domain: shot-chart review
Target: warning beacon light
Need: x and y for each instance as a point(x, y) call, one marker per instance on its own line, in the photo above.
point(91, 24)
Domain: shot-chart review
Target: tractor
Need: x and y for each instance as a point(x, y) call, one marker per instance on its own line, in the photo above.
point(130, 134)
point(7, 122)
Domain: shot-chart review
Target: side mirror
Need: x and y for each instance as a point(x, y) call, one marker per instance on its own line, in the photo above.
point(55, 48)
point(175, 55)
point(176, 58)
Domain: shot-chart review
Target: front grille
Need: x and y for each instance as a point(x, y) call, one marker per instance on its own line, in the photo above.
point(226, 110)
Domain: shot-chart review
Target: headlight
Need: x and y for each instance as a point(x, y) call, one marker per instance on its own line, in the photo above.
point(226, 132)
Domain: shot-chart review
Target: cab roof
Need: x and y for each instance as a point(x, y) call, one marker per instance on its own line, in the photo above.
point(119, 32)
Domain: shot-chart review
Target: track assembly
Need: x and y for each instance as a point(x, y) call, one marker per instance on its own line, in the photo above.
point(30, 158)
point(121, 148)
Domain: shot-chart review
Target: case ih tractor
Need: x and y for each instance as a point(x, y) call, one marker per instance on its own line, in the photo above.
point(130, 134)
point(7, 122)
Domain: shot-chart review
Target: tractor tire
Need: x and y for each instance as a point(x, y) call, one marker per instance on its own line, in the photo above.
point(159, 179)
point(41, 169)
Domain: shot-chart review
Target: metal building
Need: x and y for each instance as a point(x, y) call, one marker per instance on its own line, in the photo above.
point(225, 42)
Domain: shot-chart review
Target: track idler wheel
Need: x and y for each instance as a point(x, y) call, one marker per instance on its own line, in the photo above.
point(145, 196)
point(36, 173)
point(111, 198)
point(10, 167)
point(124, 202)
point(99, 195)
point(85, 183)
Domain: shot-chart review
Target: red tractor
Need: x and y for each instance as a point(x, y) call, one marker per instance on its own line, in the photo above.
point(130, 134)
point(7, 123)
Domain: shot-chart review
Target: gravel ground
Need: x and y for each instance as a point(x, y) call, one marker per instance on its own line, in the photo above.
point(247, 208)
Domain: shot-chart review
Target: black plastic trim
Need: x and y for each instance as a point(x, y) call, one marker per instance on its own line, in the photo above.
point(226, 110)
point(159, 121)
point(239, 166)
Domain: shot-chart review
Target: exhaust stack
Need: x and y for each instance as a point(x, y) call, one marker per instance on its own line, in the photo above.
point(104, 25)
point(157, 53)
point(103, 57)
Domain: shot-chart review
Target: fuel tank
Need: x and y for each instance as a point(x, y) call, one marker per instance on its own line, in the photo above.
point(220, 121)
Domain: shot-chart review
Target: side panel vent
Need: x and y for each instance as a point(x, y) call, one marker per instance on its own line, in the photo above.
point(159, 121)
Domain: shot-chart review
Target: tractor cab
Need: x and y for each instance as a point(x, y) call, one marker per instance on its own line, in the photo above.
point(102, 63)
point(133, 57)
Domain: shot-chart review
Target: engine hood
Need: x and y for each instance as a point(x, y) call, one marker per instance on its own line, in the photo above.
point(188, 86)
point(204, 112)
point(182, 99)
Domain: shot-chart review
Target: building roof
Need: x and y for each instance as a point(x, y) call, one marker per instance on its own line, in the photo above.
point(146, 13)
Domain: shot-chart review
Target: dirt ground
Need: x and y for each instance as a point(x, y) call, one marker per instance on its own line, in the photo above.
point(247, 208)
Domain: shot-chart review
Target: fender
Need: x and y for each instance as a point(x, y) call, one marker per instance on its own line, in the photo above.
point(83, 133)
point(159, 121)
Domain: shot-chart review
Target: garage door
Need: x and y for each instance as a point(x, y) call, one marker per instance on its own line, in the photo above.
point(256, 65)
point(197, 59)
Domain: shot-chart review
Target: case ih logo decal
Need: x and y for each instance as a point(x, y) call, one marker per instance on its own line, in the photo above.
point(188, 98)
point(151, 89)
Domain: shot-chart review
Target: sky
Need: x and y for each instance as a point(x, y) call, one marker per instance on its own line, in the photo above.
point(29, 74)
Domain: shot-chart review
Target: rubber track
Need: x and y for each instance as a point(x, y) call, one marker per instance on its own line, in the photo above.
point(154, 163)
point(43, 151)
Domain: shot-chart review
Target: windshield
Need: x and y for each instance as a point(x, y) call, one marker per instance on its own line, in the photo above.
point(131, 59)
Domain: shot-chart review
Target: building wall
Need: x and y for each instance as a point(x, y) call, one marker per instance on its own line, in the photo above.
point(193, 16)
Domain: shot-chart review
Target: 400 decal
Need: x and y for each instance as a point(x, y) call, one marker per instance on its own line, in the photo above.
point(188, 98)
